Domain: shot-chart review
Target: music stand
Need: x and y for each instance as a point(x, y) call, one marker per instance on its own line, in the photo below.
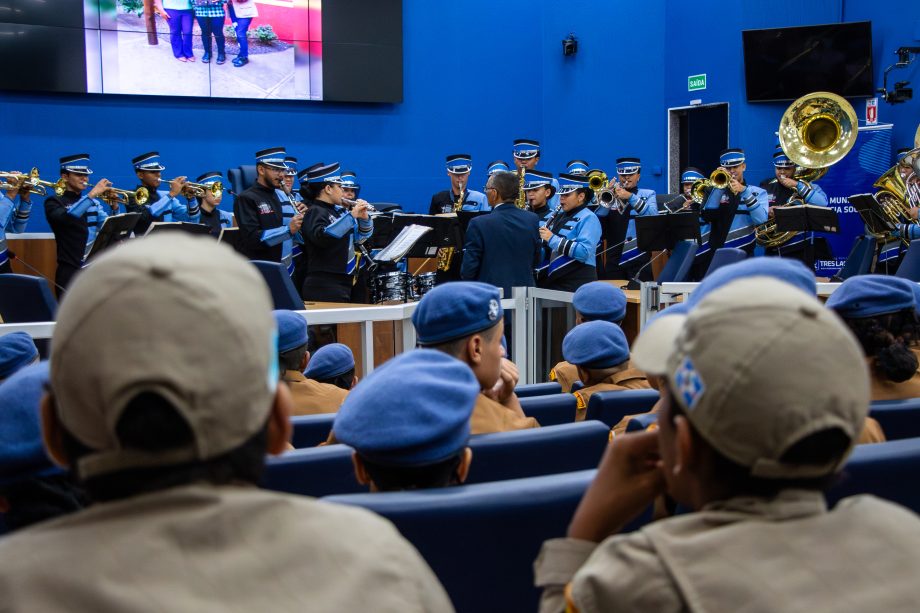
point(115, 229)
point(231, 237)
point(806, 218)
point(177, 226)
point(869, 209)
point(660, 232)
point(674, 203)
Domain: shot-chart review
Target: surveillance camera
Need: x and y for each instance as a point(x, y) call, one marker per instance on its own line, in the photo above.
point(569, 45)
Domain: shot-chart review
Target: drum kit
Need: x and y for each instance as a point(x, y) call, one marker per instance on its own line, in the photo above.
point(398, 287)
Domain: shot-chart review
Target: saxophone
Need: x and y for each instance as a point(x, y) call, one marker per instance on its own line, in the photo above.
point(521, 201)
point(446, 254)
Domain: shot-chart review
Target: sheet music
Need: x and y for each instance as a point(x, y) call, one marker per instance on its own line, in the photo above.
point(400, 245)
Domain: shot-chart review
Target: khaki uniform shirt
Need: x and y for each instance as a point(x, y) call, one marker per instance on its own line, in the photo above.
point(746, 554)
point(312, 397)
point(490, 416)
point(214, 549)
point(564, 374)
point(627, 379)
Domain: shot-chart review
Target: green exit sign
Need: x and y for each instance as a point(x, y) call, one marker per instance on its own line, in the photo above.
point(696, 82)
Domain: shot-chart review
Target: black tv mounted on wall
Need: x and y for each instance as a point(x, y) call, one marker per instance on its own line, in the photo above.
point(786, 63)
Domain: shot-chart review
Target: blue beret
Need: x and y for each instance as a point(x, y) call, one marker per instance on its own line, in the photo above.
point(791, 271)
point(454, 310)
point(17, 349)
point(595, 344)
point(915, 287)
point(292, 330)
point(22, 453)
point(330, 361)
point(388, 426)
point(600, 300)
point(871, 295)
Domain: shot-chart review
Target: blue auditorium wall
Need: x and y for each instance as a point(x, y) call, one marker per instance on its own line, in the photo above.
point(476, 75)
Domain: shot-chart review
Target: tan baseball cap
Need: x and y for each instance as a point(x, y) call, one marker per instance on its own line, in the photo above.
point(183, 317)
point(758, 365)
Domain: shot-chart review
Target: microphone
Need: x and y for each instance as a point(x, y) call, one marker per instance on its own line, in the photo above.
point(634, 282)
point(12, 255)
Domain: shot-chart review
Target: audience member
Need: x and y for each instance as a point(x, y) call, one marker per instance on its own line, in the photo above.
point(333, 364)
point(32, 489)
point(167, 430)
point(310, 397)
point(411, 441)
point(17, 350)
point(750, 449)
point(600, 353)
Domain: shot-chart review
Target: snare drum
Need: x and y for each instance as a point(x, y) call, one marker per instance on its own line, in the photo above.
point(422, 284)
point(389, 287)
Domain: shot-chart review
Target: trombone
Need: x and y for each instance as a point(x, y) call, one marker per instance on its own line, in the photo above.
point(114, 196)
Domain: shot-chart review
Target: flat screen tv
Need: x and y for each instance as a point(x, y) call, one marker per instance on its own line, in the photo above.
point(334, 50)
point(787, 63)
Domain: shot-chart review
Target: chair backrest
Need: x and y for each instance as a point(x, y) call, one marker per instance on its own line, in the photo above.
point(311, 430)
point(24, 299)
point(679, 262)
point(898, 418)
point(910, 265)
point(611, 407)
point(235, 178)
point(641, 422)
point(323, 471)
point(860, 259)
point(887, 470)
point(550, 410)
point(241, 178)
point(723, 257)
point(537, 389)
point(481, 540)
point(284, 294)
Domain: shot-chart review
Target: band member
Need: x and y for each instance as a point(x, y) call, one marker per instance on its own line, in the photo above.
point(538, 187)
point(459, 166)
point(287, 184)
point(577, 168)
point(211, 215)
point(13, 219)
point(258, 210)
point(785, 188)
point(291, 248)
point(331, 229)
point(497, 166)
point(903, 169)
point(74, 218)
point(624, 260)
point(571, 234)
point(161, 205)
point(741, 206)
point(350, 184)
point(359, 291)
point(526, 154)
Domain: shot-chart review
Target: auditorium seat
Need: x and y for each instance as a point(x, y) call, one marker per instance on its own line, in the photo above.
point(723, 257)
point(537, 389)
point(887, 470)
point(25, 299)
point(311, 430)
point(860, 259)
point(481, 540)
point(284, 294)
point(322, 471)
point(242, 177)
point(641, 422)
point(910, 266)
point(679, 262)
point(550, 410)
point(611, 407)
point(898, 418)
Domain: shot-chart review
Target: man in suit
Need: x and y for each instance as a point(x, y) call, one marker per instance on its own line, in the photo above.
point(503, 248)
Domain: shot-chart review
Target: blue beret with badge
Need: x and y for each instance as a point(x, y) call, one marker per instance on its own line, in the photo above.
point(292, 330)
point(691, 174)
point(577, 167)
point(387, 426)
point(731, 157)
point(148, 162)
point(17, 349)
point(272, 157)
point(525, 148)
point(872, 295)
point(22, 453)
point(497, 166)
point(330, 361)
point(455, 310)
point(595, 344)
point(628, 166)
point(600, 300)
point(77, 163)
point(791, 271)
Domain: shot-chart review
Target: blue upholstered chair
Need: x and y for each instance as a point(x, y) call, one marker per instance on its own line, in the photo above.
point(611, 407)
point(641, 422)
point(910, 265)
point(887, 470)
point(898, 418)
point(725, 256)
point(24, 299)
point(313, 471)
point(550, 410)
point(860, 259)
point(311, 430)
point(679, 262)
point(284, 294)
point(537, 389)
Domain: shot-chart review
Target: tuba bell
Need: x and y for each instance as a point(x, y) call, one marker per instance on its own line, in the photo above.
point(815, 132)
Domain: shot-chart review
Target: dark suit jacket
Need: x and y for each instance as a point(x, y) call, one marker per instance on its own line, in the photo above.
point(503, 248)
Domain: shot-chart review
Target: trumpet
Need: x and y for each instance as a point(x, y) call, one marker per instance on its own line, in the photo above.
point(719, 179)
point(114, 196)
point(198, 190)
point(16, 180)
point(603, 190)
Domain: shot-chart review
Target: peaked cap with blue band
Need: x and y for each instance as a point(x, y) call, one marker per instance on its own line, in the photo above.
point(148, 162)
point(525, 148)
point(691, 174)
point(497, 166)
point(569, 183)
point(577, 167)
point(459, 163)
point(731, 157)
point(77, 163)
point(628, 166)
point(273, 157)
point(328, 173)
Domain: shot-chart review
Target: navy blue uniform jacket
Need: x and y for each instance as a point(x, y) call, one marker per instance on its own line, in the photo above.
point(503, 248)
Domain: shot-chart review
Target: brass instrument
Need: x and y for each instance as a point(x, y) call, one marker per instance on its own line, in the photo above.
point(719, 179)
point(521, 201)
point(15, 181)
point(459, 203)
point(216, 189)
point(604, 190)
point(114, 196)
point(815, 132)
point(446, 254)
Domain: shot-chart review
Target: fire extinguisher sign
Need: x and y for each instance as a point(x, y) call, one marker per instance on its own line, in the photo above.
point(872, 111)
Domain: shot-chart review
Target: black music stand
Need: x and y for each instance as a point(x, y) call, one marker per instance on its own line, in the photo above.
point(870, 211)
point(115, 229)
point(660, 232)
point(231, 237)
point(177, 226)
point(806, 218)
point(674, 203)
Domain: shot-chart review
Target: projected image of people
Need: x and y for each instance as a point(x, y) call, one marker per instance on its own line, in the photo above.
point(210, 48)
